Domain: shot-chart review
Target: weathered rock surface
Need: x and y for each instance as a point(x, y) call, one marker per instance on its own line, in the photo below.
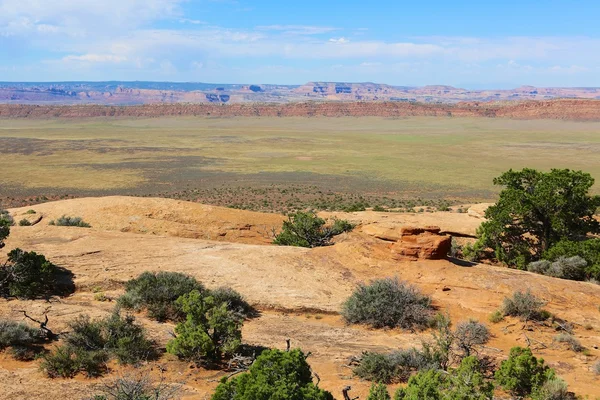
point(422, 243)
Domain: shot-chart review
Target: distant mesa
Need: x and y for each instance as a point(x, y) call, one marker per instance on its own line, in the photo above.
point(138, 93)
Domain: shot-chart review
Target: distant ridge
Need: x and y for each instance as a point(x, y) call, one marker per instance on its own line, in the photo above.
point(142, 92)
point(568, 109)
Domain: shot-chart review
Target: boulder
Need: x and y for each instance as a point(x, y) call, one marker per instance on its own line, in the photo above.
point(422, 243)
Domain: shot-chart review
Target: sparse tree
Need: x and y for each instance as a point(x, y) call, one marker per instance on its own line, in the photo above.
point(537, 210)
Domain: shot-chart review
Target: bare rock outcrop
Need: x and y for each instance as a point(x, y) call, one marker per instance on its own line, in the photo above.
point(422, 243)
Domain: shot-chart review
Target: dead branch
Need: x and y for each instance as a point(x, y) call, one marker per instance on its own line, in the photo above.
point(43, 325)
point(346, 393)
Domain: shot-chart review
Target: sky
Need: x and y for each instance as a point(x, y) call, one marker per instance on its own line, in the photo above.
point(463, 43)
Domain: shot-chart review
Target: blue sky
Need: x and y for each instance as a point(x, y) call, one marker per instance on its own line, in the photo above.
point(471, 44)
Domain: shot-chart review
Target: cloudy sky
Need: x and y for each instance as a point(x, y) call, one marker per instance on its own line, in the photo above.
point(462, 42)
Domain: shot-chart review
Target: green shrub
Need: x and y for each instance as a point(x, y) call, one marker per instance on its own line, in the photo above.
point(24, 222)
point(570, 340)
point(397, 366)
point(467, 382)
point(589, 250)
point(388, 303)
point(354, 207)
point(424, 385)
point(126, 339)
point(496, 317)
point(158, 292)
point(90, 344)
point(522, 373)
point(70, 221)
point(209, 332)
point(305, 229)
point(524, 305)
point(22, 340)
point(378, 392)
point(470, 334)
point(274, 375)
point(66, 362)
point(30, 212)
point(377, 367)
point(27, 275)
point(235, 302)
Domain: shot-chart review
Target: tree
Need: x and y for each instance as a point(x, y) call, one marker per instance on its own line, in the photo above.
point(305, 229)
point(209, 331)
point(467, 382)
point(378, 392)
point(27, 275)
point(536, 210)
point(523, 373)
point(424, 385)
point(6, 222)
point(275, 375)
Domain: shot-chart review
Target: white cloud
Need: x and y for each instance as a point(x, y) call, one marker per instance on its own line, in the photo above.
point(297, 29)
point(341, 40)
point(96, 58)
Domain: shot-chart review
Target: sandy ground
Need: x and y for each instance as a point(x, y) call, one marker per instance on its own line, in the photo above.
point(299, 291)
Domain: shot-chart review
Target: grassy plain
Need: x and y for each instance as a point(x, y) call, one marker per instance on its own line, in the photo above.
point(427, 157)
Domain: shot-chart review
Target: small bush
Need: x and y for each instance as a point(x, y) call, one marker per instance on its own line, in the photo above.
point(388, 303)
point(66, 362)
point(70, 221)
point(589, 250)
point(24, 222)
point(20, 338)
point(90, 344)
point(496, 317)
point(27, 275)
point(378, 392)
point(377, 367)
point(572, 268)
point(235, 302)
point(570, 340)
point(158, 292)
point(30, 212)
point(305, 229)
point(396, 366)
point(553, 389)
point(523, 373)
point(209, 332)
point(470, 334)
point(137, 386)
point(524, 305)
point(274, 374)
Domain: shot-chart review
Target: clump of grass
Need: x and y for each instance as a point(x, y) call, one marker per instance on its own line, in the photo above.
point(524, 305)
point(24, 222)
point(30, 212)
point(570, 340)
point(70, 221)
point(496, 317)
